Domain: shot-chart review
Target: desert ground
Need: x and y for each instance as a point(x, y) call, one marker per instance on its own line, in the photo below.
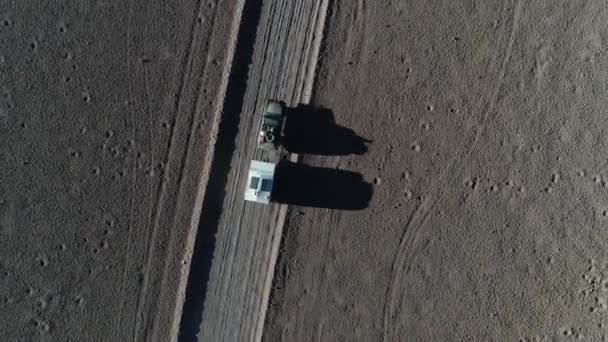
point(108, 117)
point(444, 173)
point(487, 122)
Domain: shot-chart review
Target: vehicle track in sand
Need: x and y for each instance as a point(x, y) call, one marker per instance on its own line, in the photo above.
point(114, 111)
point(283, 55)
point(197, 109)
point(409, 243)
point(479, 181)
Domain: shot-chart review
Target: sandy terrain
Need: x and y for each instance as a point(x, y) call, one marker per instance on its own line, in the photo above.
point(460, 165)
point(107, 117)
point(488, 164)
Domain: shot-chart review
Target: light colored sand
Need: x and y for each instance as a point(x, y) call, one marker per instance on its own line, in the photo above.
point(489, 155)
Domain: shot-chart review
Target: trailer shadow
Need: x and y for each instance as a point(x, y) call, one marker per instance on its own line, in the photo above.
point(310, 130)
point(303, 185)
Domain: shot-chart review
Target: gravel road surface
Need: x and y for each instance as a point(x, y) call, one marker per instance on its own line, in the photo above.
point(275, 58)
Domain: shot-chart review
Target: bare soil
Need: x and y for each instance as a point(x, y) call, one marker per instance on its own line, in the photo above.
point(108, 113)
point(487, 160)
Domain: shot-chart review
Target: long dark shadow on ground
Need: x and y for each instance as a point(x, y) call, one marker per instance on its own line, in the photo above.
point(215, 193)
point(303, 185)
point(311, 130)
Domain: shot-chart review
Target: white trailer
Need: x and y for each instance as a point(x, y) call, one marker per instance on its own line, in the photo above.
point(259, 182)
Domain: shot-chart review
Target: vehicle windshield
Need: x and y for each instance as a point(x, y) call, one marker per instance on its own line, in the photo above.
point(254, 183)
point(266, 185)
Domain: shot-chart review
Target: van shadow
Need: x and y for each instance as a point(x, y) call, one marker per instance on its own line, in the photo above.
point(310, 130)
point(303, 185)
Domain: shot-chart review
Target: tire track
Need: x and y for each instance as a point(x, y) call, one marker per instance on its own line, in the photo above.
point(200, 181)
point(182, 186)
point(500, 77)
point(249, 236)
point(130, 226)
point(403, 259)
point(332, 221)
point(407, 242)
point(171, 151)
point(320, 17)
point(214, 192)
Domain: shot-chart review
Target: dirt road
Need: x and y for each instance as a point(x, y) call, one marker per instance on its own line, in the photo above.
point(107, 117)
point(488, 161)
point(275, 58)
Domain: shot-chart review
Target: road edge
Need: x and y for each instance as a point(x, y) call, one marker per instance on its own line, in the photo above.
point(209, 157)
